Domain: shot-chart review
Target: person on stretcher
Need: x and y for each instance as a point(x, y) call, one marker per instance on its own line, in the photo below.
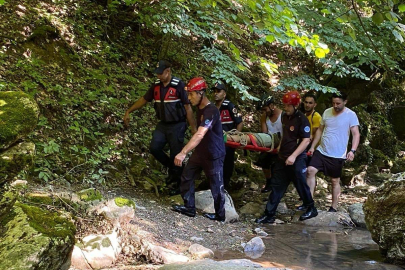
point(263, 140)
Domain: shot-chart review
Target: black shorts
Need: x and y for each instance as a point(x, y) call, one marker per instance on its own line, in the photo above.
point(328, 165)
point(266, 160)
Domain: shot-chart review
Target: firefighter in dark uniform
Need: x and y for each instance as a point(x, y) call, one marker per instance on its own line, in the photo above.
point(291, 165)
point(208, 155)
point(172, 109)
point(230, 119)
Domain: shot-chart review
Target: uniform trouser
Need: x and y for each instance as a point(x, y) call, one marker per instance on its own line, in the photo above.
point(229, 164)
point(173, 134)
point(281, 177)
point(213, 171)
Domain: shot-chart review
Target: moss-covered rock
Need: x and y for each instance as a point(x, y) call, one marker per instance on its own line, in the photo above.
point(121, 202)
point(90, 194)
point(18, 116)
point(33, 238)
point(15, 159)
point(385, 218)
point(38, 198)
point(7, 200)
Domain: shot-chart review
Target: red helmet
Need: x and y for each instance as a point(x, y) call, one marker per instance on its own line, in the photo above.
point(196, 84)
point(292, 98)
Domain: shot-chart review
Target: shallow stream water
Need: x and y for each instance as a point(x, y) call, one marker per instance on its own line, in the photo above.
point(300, 247)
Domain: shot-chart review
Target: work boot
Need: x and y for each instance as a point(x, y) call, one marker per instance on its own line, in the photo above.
point(332, 210)
point(184, 210)
point(301, 208)
point(265, 219)
point(214, 216)
point(310, 213)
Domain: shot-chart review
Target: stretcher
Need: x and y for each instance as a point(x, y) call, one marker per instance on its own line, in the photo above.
point(251, 147)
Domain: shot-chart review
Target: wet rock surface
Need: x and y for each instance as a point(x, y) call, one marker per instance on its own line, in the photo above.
point(222, 265)
point(385, 218)
point(329, 219)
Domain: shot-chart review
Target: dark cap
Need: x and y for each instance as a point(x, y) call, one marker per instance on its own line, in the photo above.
point(219, 86)
point(264, 102)
point(161, 66)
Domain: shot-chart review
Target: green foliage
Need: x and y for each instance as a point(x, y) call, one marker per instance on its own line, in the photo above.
point(231, 32)
point(101, 61)
point(303, 82)
point(348, 37)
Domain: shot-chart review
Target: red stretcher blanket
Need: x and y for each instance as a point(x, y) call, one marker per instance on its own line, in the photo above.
point(250, 147)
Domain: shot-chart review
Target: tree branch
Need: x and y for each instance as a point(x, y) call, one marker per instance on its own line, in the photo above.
point(369, 38)
point(340, 15)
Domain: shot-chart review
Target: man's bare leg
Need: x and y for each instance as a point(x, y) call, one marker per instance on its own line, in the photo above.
point(311, 179)
point(335, 192)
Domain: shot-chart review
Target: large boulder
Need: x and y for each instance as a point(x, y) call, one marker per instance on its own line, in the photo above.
point(97, 251)
point(18, 116)
point(15, 159)
point(385, 218)
point(205, 202)
point(33, 238)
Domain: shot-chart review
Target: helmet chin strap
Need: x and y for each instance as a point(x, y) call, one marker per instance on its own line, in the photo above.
point(201, 98)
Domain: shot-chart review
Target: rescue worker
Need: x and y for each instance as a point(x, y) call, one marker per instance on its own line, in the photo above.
point(270, 122)
point(291, 164)
point(336, 125)
point(230, 119)
point(172, 109)
point(208, 155)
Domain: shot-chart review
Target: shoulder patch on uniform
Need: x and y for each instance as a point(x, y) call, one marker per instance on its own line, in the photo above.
point(307, 129)
point(234, 110)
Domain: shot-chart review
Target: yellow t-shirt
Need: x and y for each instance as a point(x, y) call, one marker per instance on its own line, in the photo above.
point(314, 121)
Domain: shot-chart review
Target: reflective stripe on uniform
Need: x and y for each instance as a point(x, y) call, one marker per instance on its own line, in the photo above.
point(175, 82)
point(174, 100)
